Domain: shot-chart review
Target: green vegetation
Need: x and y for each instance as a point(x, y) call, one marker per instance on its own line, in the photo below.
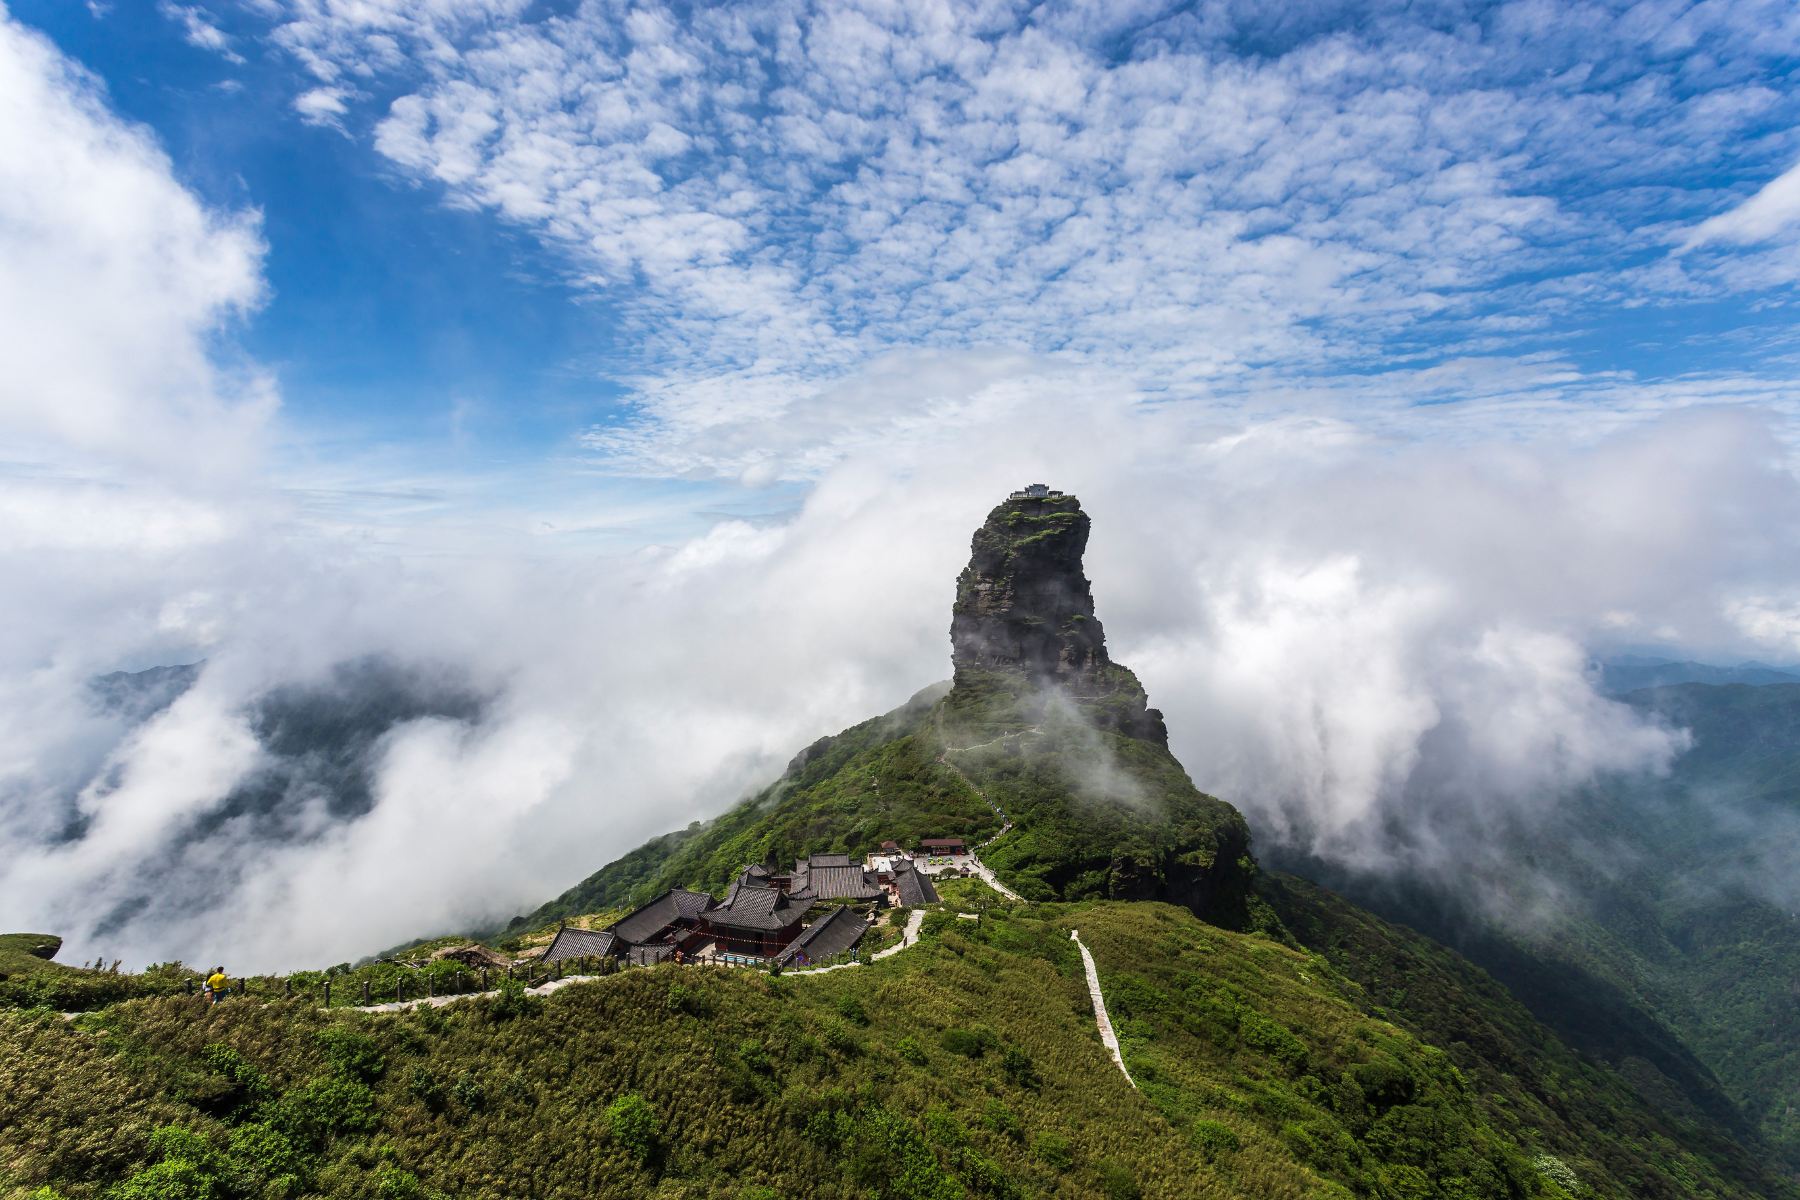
point(966, 1067)
point(1673, 951)
point(1586, 1113)
point(30, 979)
point(1097, 813)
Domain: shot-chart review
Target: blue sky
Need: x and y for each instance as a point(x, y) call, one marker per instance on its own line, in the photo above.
point(645, 368)
point(599, 236)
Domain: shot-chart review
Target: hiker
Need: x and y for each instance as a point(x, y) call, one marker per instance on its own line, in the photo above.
point(216, 983)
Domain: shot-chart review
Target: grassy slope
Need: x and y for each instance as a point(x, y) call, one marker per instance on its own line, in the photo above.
point(1591, 1117)
point(1669, 965)
point(891, 778)
point(29, 977)
point(967, 1066)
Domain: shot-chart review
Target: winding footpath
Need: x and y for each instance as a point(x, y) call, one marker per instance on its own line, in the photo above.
point(1006, 824)
point(1103, 1021)
point(909, 936)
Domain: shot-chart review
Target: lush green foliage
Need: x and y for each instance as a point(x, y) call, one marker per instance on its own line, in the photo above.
point(1667, 951)
point(1590, 1120)
point(30, 979)
point(1097, 814)
point(968, 1066)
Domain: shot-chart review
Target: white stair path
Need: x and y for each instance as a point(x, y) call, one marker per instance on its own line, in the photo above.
point(1107, 1035)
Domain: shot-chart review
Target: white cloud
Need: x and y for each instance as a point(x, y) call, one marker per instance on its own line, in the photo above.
point(323, 106)
point(113, 281)
point(1773, 210)
point(197, 27)
point(959, 254)
point(778, 195)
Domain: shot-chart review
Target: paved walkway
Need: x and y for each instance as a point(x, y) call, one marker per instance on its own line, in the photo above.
point(1107, 1035)
point(1006, 824)
point(542, 989)
point(982, 870)
point(909, 936)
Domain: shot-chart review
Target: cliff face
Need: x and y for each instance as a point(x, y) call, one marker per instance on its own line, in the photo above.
point(1024, 612)
point(1022, 603)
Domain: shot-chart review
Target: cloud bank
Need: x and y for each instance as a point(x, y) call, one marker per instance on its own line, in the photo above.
point(1365, 614)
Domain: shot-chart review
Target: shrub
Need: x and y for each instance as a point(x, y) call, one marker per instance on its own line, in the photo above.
point(1384, 1083)
point(1019, 1068)
point(1003, 1120)
point(851, 1009)
point(1053, 1150)
point(469, 1092)
point(690, 1000)
point(511, 1001)
point(248, 1085)
point(172, 1179)
point(1117, 1182)
point(970, 1043)
point(633, 1125)
point(391, 1183)
point(261, 1152)
point(1273, 1039)
point(1212, 1138)
point(910, 1050)
point(352, 1053)
point(424, 1087)
point(313, 1112)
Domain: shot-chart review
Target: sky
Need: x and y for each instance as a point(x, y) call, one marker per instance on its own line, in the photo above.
point(645, 369)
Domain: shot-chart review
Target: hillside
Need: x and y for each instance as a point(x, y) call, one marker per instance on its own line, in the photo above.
point(1281, 1042)
point(1675, 954)
point(1039, 724)
point(967, 1066)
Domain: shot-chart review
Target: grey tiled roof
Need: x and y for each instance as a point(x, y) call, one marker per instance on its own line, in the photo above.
point(834, 933)
point(649, 922)
point(836, 883)
point(755, 908)
point(579, 943)
point(829, 860)
point(913, 888)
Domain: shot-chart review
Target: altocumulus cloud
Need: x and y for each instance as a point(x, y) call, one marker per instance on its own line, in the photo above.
point(1215, 200)
point(1358, 612)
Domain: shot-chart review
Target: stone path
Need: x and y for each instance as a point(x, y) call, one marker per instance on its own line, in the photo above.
point(909, 936)
point(982, 870)
point(1107, 1036)
point(542, 989)
point(1006, 824)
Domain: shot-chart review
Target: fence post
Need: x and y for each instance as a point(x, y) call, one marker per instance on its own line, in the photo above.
point(327, 993)
point(365, 993)
point(287, 988)
point(484, 977)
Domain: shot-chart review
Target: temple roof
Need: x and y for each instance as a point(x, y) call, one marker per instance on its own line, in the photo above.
point(579, 943)
point(649, 922)
point(832, 934)
point(749, 907)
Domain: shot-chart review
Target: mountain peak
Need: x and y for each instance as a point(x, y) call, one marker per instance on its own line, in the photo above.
point(1023, 603)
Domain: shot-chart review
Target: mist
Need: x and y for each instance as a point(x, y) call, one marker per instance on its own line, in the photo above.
point(1377, 651)
point(1367, 623)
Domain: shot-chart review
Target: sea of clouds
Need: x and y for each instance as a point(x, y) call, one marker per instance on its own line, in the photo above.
point(1369, 624)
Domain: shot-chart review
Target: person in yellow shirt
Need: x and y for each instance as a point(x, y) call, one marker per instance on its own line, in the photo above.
point(216, 983)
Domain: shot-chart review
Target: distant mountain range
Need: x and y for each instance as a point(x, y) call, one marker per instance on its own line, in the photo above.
point(1629, 673)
